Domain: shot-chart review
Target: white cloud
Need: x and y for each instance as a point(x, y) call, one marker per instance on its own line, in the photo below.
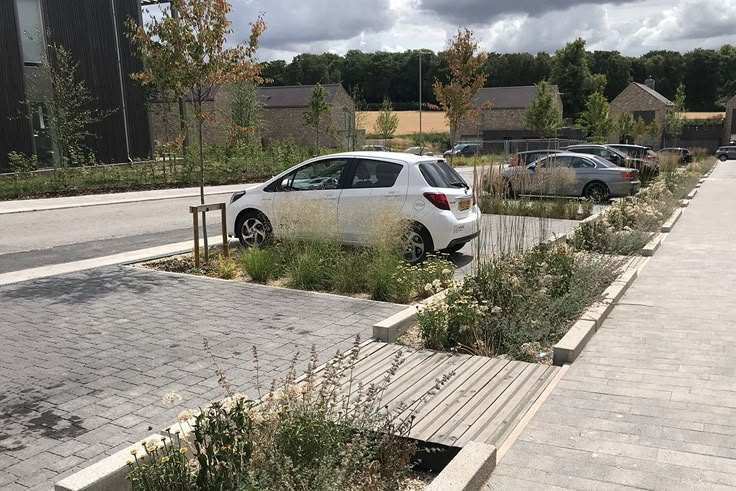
point(630, 26)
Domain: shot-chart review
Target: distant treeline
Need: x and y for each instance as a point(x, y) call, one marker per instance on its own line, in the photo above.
point(709, 75)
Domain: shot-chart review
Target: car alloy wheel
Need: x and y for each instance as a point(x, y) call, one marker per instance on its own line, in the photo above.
point(415, 247)
point(253, 232)
point(596, 193)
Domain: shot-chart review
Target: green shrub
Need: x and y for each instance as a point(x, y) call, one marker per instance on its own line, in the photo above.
point(21, 164)
point(262, 264)
point(311, 265)
point(350, 274)
point(514, 301)
point(301, 436)
point(385, 283)
point(226, 267)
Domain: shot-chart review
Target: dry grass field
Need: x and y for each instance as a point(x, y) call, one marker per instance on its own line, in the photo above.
point(432, 121)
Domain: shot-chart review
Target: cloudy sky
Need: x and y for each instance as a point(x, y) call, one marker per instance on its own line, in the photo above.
point(630, 26)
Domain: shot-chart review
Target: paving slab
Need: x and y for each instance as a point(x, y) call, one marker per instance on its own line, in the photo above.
point(651, 401)
point(86, 357)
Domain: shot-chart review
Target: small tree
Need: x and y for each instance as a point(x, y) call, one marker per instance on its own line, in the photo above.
point(317, 108)
point(625, 127)
point(387, 121)
point(595, 120)
point(247, 111)
point(357, 114)
point(543, 115)
point(71, 107)
point(467, 76)
point(187, 54)
point(674, 120)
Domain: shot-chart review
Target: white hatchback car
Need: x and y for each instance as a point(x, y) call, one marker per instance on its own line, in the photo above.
point(422, 190)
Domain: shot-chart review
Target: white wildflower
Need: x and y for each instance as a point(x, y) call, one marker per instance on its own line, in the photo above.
point(170, 399)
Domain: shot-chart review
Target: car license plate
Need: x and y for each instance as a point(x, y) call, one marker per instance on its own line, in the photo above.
point(463, 204)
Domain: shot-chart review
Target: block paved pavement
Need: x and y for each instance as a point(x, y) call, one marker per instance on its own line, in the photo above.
point(651, 403)
point(85, 358)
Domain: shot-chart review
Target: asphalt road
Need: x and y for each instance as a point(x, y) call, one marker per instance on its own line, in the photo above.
point(40, 238)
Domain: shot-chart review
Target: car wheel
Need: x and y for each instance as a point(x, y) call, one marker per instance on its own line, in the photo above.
point(455, 248)
point(723, 158)
point(597, 192)
point(417, 244)
point(253, 229)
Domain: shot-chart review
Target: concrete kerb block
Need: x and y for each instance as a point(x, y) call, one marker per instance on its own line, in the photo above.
point(110, 474)
point(653, 245)
point(571, 345)
point(684, 203)
point(692, 194)
point(390, 329)
point(701, 181)
point(671, 221)
point(468, 471)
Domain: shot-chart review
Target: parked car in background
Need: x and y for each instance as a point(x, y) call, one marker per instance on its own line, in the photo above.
point(374, 148)
point(350, 187)
point(726, 153)
point(610, 154)
point(642, 158)
point(594, 177)
point(524, 158)
point(682, 154)
point(464, 150)
point(419, 151)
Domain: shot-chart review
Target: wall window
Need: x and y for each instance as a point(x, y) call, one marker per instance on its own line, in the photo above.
point(31, 31)
point(646, 116)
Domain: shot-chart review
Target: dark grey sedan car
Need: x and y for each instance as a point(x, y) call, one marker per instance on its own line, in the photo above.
point(572, 174)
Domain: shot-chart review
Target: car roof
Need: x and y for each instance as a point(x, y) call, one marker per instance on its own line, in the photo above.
point(549, 150)
point(627, 145)
point(409, 158)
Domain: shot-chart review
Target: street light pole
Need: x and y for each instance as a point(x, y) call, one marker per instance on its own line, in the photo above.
point(421, 137)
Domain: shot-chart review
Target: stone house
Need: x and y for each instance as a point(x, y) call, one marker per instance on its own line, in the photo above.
point(644, 102)
point(505, 117)
point(283, 117)
point(729, 124)
point(284, 109)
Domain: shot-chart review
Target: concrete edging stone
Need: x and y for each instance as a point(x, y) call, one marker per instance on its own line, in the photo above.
point(468, 471)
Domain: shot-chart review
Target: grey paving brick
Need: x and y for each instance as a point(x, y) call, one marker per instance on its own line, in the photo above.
point(650, 404)
point(86, 357)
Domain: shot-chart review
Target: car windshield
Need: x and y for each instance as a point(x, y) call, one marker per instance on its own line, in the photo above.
point(440, 175)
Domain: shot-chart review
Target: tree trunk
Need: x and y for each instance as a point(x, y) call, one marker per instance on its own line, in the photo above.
point(201, 174)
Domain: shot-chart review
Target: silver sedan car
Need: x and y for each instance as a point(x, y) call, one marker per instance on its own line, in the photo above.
point(572, 174)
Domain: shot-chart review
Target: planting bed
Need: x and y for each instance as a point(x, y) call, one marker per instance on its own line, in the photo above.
point(322, 266)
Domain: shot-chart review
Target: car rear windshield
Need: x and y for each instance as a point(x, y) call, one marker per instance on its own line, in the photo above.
point(440, 175)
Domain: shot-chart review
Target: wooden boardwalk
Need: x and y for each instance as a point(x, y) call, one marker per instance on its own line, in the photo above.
point(483, 400)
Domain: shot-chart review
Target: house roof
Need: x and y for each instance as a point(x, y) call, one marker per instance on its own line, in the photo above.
point(654, 93)
point(293, 95)
point(507, 97)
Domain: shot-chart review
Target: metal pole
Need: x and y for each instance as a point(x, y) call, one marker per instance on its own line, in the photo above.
point(421, 136)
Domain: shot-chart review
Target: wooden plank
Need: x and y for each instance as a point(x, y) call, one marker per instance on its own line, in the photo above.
point(505, 408)
point(366, 348)
point(458, 424)
point(462, 374)
point(376, 375)
point(415, 385)
point(531, 398)
point(365, 362)
point(434, 421)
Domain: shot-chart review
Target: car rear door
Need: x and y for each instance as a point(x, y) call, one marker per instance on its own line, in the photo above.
point(375, 191)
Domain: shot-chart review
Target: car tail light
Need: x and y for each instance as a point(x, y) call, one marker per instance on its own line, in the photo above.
point(439, 200)
point(629, 174)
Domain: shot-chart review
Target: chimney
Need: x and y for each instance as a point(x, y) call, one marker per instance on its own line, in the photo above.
point(649, 83)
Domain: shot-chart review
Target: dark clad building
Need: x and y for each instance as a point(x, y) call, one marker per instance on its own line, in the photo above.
point(94, 31)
